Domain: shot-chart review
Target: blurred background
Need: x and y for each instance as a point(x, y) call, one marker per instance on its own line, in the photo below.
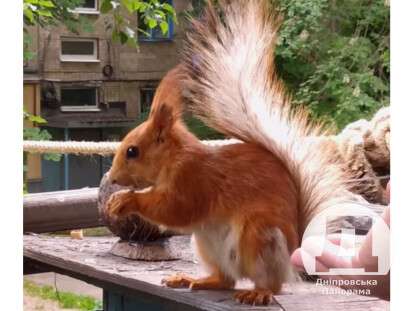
point(91, 68)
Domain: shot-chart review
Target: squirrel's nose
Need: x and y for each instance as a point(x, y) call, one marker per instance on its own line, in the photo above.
point(111, 178)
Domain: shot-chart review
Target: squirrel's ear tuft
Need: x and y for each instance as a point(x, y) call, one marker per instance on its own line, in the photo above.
point(164, 117)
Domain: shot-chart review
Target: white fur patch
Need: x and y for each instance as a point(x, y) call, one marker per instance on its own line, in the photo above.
point(222, 243)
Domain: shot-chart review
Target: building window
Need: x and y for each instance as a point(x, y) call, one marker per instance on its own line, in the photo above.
point(147, 96)
point(79, 50)
point(88, 7)
point(79, 99)
point(147, 34)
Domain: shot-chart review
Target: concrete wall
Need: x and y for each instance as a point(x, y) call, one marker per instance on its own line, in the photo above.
point(150, 61)
point(133, 68)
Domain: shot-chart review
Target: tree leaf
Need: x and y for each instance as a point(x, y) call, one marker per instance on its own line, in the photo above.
point(123, 37)
point(168, 7)
point(37, 119)
point(129, 5)
point(132, 42)
point(152, 23)
point(46, 3)
point(52, 157)
point(106, 6)
point(115, 36)
point(164, 27)
point(29, 15)
point(44, 13)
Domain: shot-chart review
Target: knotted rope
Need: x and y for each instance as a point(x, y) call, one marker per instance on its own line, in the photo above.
point(103, 148)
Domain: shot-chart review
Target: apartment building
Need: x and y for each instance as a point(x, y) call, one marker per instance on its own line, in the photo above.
point(89, 88)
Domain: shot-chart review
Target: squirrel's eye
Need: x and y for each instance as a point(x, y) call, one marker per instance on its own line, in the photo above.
point(132, 152)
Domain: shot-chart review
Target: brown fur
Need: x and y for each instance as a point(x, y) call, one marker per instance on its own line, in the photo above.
point(193, 183)
point(247, 203)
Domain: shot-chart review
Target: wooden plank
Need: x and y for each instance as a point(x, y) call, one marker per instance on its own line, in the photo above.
point(90, 260)
point(61, 210)
point(77, 209)
point(32, 267)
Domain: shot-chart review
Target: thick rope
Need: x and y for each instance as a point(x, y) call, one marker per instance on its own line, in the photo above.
point(75, 147)
point(103, 148)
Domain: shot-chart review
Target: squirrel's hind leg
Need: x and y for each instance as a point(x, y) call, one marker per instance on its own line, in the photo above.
point(254, 296)
point(216, 279)
point(266, 263)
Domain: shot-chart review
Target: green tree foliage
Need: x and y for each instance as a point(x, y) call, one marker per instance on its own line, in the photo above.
point(35, 133)
point(155, 14)
point(334, 56)
point(54, 12)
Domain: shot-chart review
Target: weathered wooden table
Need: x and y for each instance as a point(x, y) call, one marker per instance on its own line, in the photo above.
point(136, 285)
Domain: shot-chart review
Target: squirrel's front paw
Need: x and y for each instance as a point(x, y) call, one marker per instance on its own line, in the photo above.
point(121, 203)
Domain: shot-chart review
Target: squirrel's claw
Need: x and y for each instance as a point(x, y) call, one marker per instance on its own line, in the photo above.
point(258, 297)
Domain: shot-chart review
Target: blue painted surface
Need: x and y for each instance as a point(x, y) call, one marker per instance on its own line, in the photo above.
point(113, 301)
point(75, 171)
point(66, 163)
point(52, 177)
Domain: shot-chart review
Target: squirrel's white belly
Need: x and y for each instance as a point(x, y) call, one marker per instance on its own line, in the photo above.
point(221, 241)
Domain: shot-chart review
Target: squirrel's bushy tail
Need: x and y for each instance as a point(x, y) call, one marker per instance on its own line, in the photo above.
point(231, 84)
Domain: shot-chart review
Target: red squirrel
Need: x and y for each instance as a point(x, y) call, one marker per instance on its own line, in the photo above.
point(246, 204)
